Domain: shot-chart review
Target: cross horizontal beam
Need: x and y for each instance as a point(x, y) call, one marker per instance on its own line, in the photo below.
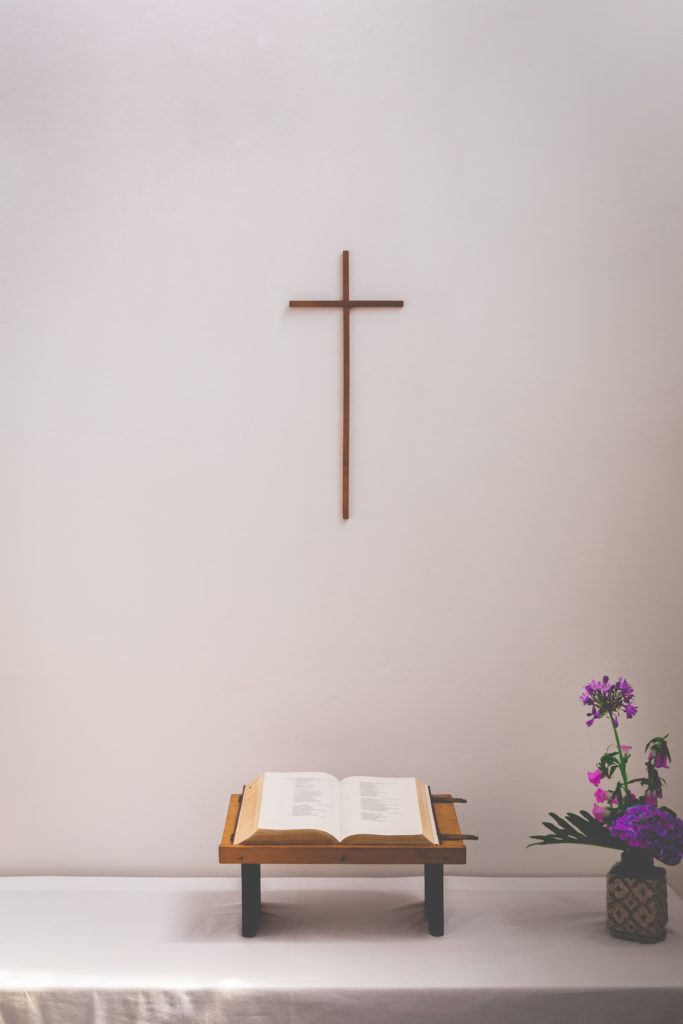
point(348, 304)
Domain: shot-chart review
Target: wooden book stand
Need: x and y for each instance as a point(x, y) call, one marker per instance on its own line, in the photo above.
point(451, 850)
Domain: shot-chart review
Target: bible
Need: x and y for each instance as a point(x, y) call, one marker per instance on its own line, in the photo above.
point(316, 808)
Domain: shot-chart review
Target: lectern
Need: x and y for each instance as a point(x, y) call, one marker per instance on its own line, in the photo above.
point(449, 850)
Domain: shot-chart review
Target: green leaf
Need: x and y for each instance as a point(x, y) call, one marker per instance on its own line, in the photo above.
point(578, 829)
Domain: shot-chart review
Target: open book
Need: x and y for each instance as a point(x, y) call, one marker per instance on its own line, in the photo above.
point(316, 808)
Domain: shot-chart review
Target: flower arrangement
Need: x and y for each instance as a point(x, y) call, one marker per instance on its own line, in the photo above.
point(623, 818)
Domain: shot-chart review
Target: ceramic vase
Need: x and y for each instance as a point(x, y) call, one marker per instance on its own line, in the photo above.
point(636, 898)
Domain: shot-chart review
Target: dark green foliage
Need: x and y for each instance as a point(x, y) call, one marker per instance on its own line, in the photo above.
point(581, 829)
point(609, 763)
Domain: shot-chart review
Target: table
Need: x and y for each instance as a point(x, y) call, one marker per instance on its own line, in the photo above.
point(330, 950)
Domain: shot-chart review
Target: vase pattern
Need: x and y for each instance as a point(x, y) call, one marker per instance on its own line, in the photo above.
point(637, 907)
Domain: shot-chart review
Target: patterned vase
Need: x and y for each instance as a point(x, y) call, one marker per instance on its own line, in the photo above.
point(636, 898)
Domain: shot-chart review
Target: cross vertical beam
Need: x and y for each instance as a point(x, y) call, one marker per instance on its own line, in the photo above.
point(346, 304)
point(346, 401)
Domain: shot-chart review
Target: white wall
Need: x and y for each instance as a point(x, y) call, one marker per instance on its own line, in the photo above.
point(181, 605)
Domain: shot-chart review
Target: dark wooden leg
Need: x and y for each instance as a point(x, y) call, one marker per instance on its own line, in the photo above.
point(434, 898)
point(251, 899)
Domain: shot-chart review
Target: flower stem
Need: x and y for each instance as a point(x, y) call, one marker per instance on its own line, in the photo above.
point(622, 759)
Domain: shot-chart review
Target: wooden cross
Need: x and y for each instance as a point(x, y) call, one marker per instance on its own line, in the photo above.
point(346, 304)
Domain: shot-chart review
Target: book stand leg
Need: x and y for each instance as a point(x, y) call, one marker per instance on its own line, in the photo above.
point(251, 899)
point(434, 898)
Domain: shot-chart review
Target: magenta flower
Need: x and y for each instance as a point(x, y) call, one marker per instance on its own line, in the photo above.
point(658, 752)
point(599, 813)
point(600, 796)
point(596, 777)
point(605, 698)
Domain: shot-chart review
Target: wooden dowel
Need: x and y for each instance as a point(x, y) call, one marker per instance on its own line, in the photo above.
point(453, 838)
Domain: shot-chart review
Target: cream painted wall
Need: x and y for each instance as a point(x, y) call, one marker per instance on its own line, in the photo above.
point(181, 606)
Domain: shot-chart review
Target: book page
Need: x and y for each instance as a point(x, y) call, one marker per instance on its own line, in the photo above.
point(432, 819)
point(300, 800)
point(372, 805)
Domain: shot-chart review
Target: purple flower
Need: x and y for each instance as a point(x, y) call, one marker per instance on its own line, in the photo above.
point(653, 829)
point(605, 698)
point(658, 752)
point(600, 796)
point(599, 813)
point(595, 777)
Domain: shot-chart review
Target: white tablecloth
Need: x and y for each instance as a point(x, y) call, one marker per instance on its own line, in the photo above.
point(330, 950)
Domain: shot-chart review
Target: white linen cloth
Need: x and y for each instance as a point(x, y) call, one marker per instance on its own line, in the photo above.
point(329, 950)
